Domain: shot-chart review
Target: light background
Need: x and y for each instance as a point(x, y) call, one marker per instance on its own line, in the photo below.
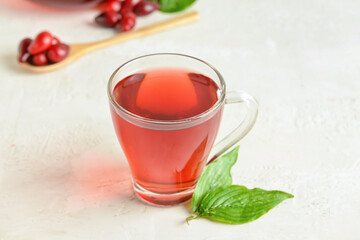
point(62, 172)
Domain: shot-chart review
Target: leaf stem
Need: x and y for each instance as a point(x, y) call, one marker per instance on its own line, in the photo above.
point(192, 217)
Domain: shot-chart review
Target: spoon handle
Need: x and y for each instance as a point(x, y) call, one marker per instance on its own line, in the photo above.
point(145, 31)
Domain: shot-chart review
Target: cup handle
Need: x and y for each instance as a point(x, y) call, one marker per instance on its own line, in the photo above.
point(243, 128)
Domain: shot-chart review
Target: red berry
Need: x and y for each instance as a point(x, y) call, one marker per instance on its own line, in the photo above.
point(127, 22)
point(113, 5)
point(108, 19)
point(55, 41)
point(23, 54)
point(39, 59)
point(58, 52)
point(125, 7)
point(136, 2)
point(128, 5)
point(145, 8)
point(41, 43)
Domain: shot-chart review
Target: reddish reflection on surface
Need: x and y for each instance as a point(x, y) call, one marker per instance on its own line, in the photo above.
point(96, 179)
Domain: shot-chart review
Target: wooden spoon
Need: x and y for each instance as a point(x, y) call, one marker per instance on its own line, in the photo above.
point(79, 50)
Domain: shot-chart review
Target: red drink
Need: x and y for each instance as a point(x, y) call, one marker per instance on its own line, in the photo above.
point(69, 3)
point(166, 161)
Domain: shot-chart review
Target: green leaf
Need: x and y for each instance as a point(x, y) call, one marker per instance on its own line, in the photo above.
point(236, 204)
point(215, 175)
point(171, 6)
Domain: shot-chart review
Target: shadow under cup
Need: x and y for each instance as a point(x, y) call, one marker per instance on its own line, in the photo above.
point(166, 157)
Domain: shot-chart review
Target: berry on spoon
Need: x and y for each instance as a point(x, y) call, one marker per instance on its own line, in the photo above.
point(43, 50)
point(55, 41)
point(23, 54)
point(39, 59)
point(41, 43)
point(58, 52)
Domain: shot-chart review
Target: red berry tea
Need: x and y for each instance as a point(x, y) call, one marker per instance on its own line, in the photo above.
point(161, 160)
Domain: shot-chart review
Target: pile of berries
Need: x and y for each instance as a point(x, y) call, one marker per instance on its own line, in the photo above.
point(44, 49)
point(122, 14)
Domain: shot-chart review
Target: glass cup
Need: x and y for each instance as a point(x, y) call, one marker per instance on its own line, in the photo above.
point(166, 157)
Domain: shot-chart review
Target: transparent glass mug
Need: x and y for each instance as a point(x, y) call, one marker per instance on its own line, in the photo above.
point(166, 157)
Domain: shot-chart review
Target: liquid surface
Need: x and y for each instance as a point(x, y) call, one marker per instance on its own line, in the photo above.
point(166, 94)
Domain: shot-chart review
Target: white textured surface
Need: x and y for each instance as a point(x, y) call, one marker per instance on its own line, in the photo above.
point(62, 173)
